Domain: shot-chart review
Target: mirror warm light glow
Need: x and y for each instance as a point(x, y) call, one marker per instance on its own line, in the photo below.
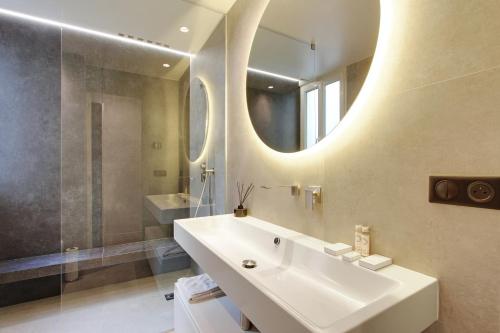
point(316, 68)
point(197, 119)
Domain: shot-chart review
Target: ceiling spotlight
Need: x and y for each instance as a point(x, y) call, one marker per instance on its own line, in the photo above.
point(166, 65)
point(270, 87)
point(184, 29)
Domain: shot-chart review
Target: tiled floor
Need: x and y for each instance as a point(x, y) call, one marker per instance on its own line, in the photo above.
point(134, 306)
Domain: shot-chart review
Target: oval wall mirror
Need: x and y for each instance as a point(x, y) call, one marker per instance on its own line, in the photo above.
point(196, 119)
point(308, 62)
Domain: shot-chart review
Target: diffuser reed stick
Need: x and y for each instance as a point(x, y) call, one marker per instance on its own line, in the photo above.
point(243, 194)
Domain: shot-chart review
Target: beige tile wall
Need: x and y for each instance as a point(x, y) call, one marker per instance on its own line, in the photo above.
point(431, 106)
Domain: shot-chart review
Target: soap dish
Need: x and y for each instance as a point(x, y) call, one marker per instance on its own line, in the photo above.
point(337, 249)
point(375, 262)
point(351, 256)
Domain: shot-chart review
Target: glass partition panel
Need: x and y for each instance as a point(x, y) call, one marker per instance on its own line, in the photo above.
point(121, 178)
point(95, 161)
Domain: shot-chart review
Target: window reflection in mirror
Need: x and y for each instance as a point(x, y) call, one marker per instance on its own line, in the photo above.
point(312, 121)
point(332, 106)
point(308, 63)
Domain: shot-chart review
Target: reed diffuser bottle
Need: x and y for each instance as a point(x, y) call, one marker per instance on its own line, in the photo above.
point(243, 194)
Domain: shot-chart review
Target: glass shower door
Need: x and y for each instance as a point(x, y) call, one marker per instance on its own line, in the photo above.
point(120, 170)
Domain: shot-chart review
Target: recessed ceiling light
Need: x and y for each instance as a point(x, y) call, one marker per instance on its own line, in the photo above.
point(166, 65)
point(270, 87)
point(184, 29)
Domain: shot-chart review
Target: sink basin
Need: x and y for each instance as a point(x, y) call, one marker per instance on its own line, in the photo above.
point(296, 287)
point(168, 207)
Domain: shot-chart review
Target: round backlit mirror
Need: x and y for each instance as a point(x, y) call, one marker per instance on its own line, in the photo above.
point(196, 119)
point(308, 62)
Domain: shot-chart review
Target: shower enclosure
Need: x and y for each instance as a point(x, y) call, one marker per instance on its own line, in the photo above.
point(95, 165)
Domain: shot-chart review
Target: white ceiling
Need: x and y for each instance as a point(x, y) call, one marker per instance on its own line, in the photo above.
point(111, 54)
point(156, 20)
point(277, 53)
point(345, 31)
point(221, 6)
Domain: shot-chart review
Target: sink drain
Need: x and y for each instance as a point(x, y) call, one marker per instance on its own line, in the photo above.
point(249, 263)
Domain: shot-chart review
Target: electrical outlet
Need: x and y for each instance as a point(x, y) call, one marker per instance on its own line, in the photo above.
point(481, 191)
point(465, 191)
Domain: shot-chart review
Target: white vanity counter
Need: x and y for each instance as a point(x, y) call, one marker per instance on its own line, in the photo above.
point(296, 287)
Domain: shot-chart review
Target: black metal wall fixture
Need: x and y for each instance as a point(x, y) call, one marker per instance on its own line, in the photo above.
point(481, 192)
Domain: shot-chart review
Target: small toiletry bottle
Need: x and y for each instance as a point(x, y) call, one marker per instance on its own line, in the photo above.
point(357, 238)
point(365, 241)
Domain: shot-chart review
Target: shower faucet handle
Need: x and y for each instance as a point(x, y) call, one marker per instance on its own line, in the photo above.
point(205, 171)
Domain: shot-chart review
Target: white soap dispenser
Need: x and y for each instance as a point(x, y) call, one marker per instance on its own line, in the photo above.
point(357, 238)
point(365, 241)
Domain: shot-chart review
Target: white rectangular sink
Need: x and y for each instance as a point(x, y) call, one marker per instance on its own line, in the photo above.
point(296, 287)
